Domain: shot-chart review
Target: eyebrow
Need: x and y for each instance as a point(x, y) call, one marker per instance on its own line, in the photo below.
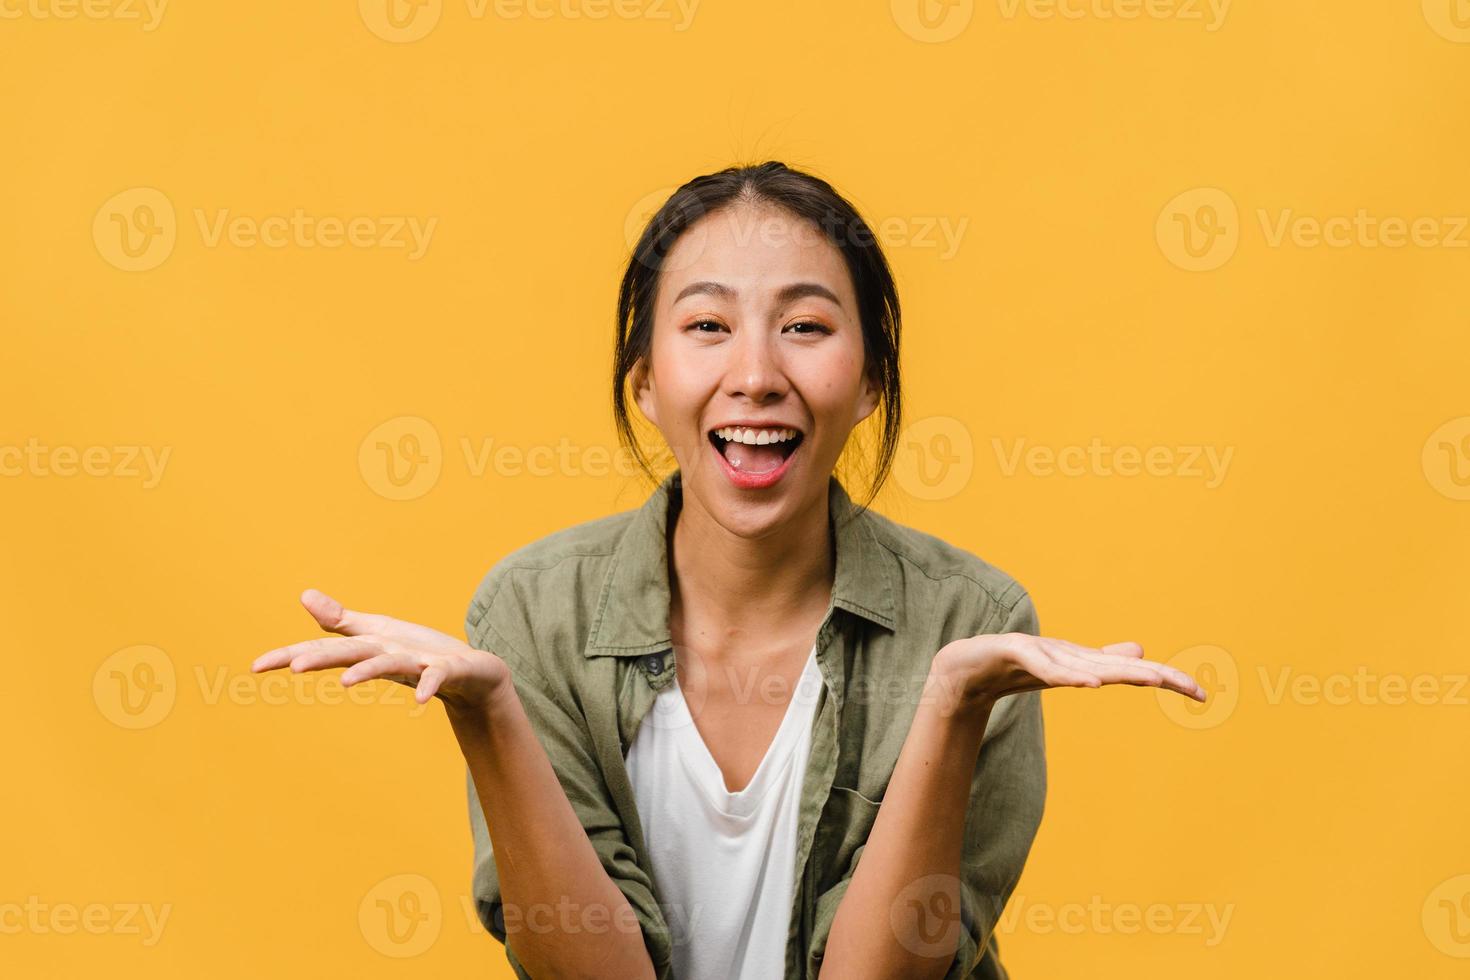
point(787, 294)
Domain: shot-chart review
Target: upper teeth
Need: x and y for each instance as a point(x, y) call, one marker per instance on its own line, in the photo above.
point(755, 437)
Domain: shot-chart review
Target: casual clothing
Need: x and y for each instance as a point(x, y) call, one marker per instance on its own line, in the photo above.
point(724, 864)
point(581, 616)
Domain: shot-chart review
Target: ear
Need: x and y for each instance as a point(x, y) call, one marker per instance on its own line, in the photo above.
point(641, 379)
point(869, 397)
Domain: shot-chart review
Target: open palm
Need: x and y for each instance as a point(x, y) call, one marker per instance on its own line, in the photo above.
point(992, 665)
point(376, 646)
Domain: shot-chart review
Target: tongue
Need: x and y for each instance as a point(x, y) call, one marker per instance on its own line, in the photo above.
point(753, 459)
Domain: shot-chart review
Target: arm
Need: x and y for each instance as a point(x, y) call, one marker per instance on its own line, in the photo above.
point(931, 905)
point(560, 886)
point(578, 904)
point(561, 913)
point(926, 895)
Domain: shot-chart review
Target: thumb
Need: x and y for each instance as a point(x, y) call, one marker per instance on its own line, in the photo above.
point(328, 612)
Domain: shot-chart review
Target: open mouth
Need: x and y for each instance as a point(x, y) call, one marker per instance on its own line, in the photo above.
point(746, 453)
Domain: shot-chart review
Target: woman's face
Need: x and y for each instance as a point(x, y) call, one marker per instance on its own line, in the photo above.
point(756, 327)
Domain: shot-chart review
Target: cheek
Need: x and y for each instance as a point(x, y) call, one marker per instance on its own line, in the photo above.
point(682, 392)
point(834, 379)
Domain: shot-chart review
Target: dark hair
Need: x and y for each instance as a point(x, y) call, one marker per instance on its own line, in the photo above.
point(804, 196)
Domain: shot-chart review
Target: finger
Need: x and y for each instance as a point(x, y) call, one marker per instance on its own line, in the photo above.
point(429, 682)
point(1125, 668)
point(326, 651)
point(1127, 671)
point(1179, 679)
point(1127, 652)
point(333, 617)
point(400, 663)
point(1187, 686)
point(1039, 664)
point(1151, 675)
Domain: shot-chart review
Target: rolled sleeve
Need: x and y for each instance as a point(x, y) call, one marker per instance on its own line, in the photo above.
point(497, 625)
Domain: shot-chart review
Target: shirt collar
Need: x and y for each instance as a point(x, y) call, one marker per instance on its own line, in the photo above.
point(633, 607)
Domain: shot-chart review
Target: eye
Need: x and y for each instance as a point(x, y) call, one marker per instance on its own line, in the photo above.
point(816, 328)
point(701, 323)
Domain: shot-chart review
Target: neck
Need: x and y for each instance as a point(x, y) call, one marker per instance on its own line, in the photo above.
point(727, 588)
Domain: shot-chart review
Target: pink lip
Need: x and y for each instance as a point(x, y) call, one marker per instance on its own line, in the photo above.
point(753, 481)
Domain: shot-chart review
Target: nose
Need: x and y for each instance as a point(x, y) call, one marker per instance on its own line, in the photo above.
point(755, 370)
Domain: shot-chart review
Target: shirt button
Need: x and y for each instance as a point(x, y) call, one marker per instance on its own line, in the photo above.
point(654, 663)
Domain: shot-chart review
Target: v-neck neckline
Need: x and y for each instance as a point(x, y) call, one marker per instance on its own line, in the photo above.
point(743, 800)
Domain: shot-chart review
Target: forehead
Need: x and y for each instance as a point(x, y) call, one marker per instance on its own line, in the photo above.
point(755, 248)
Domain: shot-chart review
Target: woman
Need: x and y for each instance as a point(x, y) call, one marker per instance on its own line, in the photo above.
point(686, 723)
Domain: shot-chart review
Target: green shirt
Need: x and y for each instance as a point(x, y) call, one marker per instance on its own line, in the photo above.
point(581, 617)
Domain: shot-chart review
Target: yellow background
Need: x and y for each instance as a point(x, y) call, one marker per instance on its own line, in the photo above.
point(274, 829)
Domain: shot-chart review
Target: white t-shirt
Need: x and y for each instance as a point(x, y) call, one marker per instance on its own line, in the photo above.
point(723, 863)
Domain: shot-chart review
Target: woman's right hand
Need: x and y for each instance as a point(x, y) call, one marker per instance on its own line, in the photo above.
point(467, 680)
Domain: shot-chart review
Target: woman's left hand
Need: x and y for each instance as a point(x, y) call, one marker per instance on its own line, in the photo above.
point(980, 669)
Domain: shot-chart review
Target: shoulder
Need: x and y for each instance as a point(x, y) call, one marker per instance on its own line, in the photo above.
point(563, 564)
point(939, 575)
point(955, 591)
